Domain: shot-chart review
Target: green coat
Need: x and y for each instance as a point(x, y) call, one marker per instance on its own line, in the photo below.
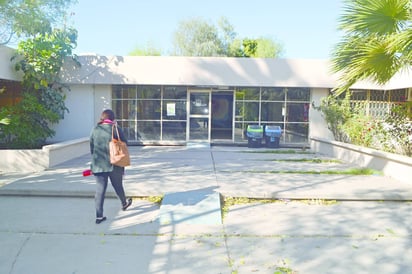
point(99, 147)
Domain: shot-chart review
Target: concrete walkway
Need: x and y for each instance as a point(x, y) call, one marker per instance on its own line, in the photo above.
point(47, 218)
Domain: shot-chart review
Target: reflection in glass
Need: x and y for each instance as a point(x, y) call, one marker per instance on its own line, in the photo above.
point(174, 110)
point(199, 129)
point(199, 103)
point(273, 94)
point(249, 111)
point(148, 110)
point(174, 131)
point(296, 133)
point(298, 94)
point(175, 93)
point(298, 112)
point(148, 92)
point(272, 112)
point(148, 130)
point(248, 94)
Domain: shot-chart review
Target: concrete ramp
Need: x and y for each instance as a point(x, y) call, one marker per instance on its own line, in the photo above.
point(191, 207)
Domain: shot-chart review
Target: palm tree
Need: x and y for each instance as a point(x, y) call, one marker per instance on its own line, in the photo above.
point(377, 42)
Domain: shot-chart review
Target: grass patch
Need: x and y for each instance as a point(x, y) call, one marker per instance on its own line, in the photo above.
point(279, 151)
point(307, 160)
point(352, 171)
point(227, 202)
point(154, 199)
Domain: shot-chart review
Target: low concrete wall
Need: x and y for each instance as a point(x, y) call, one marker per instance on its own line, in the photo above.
point(31, 160)
point(392, 165)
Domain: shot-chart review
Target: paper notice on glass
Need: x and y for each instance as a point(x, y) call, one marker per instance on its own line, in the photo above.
point(171, 109)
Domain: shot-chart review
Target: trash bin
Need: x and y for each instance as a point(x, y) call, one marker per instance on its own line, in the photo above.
point(254, 135)
point(272, 136)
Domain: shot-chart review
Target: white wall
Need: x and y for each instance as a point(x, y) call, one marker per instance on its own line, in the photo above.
point(317, 124)
point(102, 100)
point(7, 70)
point(85, 104)
point(392, 165)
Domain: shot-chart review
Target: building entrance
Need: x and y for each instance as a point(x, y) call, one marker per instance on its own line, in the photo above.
point(199, 115)
point(210, 115)
point(222, 116)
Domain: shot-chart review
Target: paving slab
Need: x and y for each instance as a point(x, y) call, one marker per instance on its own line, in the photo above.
point(49, 216)
point(76, 216)
point(320, 255)
point(58, 235)
point(181, 254)
point(76, 253)
point(309, 186)
point(234, 171)
point(315, 218)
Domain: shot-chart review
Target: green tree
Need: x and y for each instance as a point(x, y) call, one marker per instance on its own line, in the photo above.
point(41, 59)
point(26, 18)
point(197, 37)
point(261, 48)
point(148, 50)
point(377, 41)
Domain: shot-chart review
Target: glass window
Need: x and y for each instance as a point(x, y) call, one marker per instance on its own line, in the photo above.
point(174, 110)
point(199, 103)
point(358, 95)
point(129, 129)
point(398, 95)
point(199, 129)
point(148, 110)
point(174, 131)
point(116, 92)
point(273, 94)
point(175, 93)
point(148, 92)
point(379, 95)
point(297, 112)
point(272, 112)
point(121, 109)
point(298, 94)
point(123, 92)
point(247, 111)
point(296, 133)
point(248, 94)
point(240, 131)
point(148, 130)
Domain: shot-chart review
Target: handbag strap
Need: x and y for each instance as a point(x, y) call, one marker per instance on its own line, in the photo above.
point(117, 131)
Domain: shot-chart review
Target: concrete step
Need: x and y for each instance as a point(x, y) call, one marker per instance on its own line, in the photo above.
point(201, 206)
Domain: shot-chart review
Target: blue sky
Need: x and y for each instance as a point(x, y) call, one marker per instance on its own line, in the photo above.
point(305, 28)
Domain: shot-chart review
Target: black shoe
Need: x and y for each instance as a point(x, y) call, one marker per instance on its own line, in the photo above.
point(100, 219)
point(127, 204)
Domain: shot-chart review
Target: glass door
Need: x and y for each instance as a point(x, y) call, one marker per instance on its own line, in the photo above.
point(199, 115)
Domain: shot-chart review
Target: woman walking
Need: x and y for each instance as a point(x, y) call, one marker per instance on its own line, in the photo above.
point(101, 167)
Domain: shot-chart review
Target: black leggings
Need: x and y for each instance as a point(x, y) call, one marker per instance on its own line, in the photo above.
point(116, 178)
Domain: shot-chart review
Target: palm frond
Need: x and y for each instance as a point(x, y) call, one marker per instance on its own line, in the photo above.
point(375, 16)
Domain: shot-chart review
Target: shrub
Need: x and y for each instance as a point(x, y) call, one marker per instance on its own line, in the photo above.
point(351, 125)
point(29, 123)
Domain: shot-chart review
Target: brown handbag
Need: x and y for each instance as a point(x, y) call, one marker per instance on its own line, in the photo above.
point(119, 153)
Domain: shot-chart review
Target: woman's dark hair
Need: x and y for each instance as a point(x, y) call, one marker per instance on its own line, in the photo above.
point(107, 114)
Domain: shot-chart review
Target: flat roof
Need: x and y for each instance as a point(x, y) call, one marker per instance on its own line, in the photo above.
point(202, 71)
point(213, 71)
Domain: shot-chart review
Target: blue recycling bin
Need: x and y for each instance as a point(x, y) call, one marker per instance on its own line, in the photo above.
point(272, 136)
point(254, 135)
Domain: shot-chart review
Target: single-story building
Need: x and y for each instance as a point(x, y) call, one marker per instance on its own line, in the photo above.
point(176, 100)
